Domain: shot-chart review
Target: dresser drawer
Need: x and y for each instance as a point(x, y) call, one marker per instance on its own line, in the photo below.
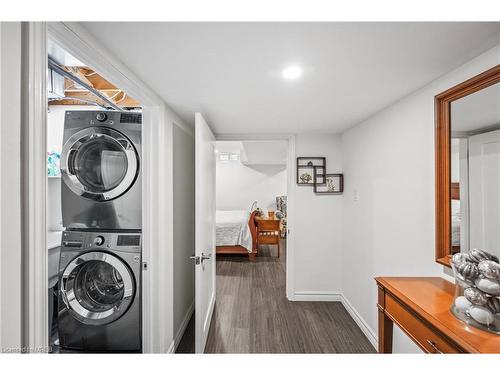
point(427, 338)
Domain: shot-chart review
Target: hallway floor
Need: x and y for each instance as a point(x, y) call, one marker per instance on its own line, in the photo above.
point(253, 315)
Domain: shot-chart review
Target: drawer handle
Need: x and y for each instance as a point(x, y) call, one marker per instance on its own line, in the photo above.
point(433, 346)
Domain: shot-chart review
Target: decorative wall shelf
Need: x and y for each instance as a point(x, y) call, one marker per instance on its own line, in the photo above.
point(308, 167)
point(311, 171)
point(334, 184)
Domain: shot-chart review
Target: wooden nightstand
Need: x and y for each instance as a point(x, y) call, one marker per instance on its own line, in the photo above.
point(268, 232)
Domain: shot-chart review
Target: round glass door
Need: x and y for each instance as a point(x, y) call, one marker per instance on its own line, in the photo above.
point(99, 163)
point(97, 288)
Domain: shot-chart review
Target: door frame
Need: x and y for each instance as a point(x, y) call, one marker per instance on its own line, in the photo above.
point(157, 309)
point(291, 186)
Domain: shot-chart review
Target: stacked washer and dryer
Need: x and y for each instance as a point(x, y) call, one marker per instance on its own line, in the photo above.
point(100, 264)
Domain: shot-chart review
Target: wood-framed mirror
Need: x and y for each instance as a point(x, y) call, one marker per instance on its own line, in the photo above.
point(467, 166)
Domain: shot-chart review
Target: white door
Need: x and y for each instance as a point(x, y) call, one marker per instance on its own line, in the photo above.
point(484, 191)
point(205, 230)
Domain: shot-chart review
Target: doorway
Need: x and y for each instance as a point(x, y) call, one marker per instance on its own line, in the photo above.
point(156, 202)
point(94, 209)
point(252, 176)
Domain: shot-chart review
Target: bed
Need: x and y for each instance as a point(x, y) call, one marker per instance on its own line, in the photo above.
point(236, 233)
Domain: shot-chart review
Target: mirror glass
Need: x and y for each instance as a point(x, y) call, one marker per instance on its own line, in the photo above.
point(475, 171)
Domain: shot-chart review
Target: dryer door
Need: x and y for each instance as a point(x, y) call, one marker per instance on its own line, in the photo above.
point(97, 288)
point(99, 163)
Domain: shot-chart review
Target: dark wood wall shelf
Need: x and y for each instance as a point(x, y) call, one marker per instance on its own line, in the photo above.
point(333, 184)
point(311, 171)
point(308, 165)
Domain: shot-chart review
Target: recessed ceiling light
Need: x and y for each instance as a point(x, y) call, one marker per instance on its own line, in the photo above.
point(291, 73)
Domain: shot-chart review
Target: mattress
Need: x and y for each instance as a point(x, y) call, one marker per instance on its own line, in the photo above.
point(232, 229)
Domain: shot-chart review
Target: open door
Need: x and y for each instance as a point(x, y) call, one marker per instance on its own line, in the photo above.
point(205, 230)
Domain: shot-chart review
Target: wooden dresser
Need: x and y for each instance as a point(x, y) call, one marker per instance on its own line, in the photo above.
point(420, 306)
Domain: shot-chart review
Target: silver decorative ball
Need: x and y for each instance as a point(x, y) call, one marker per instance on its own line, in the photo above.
point(493, 304)
point(468, 270)
point(458, 258)
point(489, 269)
point(475, 296)
point(478, 255)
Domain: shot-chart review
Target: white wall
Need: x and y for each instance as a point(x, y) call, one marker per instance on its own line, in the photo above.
point(10, 185)
point(389, 160)
point(318, 225)
point(238, 185)
point(183, 170)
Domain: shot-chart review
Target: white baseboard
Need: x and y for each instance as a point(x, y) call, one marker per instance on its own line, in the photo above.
point(171, 348)
point(317, 296)
point(182, 329)
point(321, 296)
point(365, 328)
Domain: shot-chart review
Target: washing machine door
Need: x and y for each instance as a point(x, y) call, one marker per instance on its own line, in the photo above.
point(97, 288)
point(99, 163)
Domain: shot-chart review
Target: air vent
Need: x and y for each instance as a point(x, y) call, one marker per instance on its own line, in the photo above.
point(131, 118)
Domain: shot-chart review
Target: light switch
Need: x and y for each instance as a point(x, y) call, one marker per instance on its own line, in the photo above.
point(356, 195)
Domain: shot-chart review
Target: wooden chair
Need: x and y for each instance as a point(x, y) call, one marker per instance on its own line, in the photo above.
point(268, 232)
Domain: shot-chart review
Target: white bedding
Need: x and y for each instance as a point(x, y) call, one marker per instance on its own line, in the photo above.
point(232, 229)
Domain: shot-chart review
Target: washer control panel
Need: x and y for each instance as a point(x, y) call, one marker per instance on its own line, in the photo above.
point(128, 241)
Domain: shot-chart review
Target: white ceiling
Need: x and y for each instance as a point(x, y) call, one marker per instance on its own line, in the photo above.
point(231, 72)
point(477, 111)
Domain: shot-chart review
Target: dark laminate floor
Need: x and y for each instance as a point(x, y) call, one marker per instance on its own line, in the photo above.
point(252, 314)
point(186, 346)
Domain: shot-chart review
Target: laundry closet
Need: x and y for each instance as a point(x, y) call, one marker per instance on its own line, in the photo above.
point(94, 210)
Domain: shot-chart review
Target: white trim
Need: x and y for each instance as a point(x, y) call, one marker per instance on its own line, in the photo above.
point(149, 242)
point(1, 208)
point(362, 324)
point(34, 148)
point(290, 221)
point(182, 328)
point(171, 348)
point(317, 296)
